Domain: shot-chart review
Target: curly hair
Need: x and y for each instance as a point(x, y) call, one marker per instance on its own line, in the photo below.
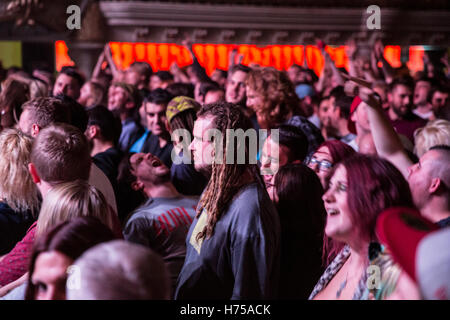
point(226, 179)
point(278, 95)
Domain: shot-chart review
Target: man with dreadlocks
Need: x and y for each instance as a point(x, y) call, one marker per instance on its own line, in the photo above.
point(233, 245)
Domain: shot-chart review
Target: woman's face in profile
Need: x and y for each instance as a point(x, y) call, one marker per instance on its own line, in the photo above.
point(321, 163)
point(339, 225)
point(50, 274)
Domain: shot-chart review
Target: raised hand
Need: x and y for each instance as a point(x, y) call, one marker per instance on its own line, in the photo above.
point(350, 49)
point(379, 49)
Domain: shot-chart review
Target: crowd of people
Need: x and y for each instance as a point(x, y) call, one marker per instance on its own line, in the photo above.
point(112, 186)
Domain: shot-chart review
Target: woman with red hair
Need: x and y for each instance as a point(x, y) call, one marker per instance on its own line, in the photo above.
point(360, 188)
point(326, 156)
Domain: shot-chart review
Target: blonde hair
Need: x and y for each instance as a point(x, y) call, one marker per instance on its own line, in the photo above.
point(17, 188)
point(434, 133)
point(70, 200)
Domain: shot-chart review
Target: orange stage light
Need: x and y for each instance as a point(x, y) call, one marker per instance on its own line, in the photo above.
point(211, 56)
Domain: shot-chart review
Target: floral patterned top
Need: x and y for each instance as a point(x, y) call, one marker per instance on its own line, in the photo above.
point(334, 267)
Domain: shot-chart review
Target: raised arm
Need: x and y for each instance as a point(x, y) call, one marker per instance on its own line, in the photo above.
point(98, 66)
point(305, 60)
point(388, 71)
point(334, 70)
point(374, 64)
point(232, 59)
point(323, 79)
point(109, 59)
point(350, 51)
point(196, 67)
point(386, 140)
point(445, 61)
point(178, 74)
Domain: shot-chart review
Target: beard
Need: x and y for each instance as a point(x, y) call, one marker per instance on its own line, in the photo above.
point(116, 112)
point(400, 111)
point(205, 170)
point(160, 179)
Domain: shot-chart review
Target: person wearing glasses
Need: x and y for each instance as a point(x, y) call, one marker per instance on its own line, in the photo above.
point(291, 147)
point(352, 210)
point(326, 156)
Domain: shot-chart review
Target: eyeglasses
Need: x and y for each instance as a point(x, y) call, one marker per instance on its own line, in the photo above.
point(323, 165)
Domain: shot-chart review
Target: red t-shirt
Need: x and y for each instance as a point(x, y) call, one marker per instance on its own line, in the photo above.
point(408, 124)
point(15, 264)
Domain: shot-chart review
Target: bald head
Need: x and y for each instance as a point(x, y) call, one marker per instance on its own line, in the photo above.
point(440, 164)
point(119, 270)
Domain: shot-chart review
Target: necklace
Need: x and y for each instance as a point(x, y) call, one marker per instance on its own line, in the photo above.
point(341, 287)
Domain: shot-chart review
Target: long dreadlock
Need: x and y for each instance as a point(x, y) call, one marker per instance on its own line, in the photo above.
point(226, 179)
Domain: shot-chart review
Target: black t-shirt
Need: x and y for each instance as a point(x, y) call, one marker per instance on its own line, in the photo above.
point(151, 145)
point(186, 179)
point(241, 259)
point(108, 161)
point(13, 227)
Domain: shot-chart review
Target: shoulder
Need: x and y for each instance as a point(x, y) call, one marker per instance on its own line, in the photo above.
point(252, 200)
point(5, 211)
point(302, 123)
point(189, 200)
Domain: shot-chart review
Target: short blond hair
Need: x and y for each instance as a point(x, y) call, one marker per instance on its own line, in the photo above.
point(70, 200)
point(436, 132)
point(17, 188)
point(60, 153)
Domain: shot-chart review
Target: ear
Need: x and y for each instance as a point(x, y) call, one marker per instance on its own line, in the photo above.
point(435, 184)
point(307, 99)
point(353, 116)
point(275, 111)
point(129, 105)
point(92, 131)
point(389, 97)
point(34, 130)
point(137, 185)
point(33, 173)
point(166, 122)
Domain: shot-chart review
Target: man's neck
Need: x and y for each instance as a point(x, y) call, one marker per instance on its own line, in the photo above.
point(124, 116)
point(165, 190)
point(100, 146)
point(44, 187)
point(329, 132)
point(435, 210)
point(342, 128)
point(423, 109)
point(392, 115)
point(360, 133)
point(163, 140)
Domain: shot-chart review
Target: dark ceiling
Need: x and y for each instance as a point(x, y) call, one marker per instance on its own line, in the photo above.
point(406, 4)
